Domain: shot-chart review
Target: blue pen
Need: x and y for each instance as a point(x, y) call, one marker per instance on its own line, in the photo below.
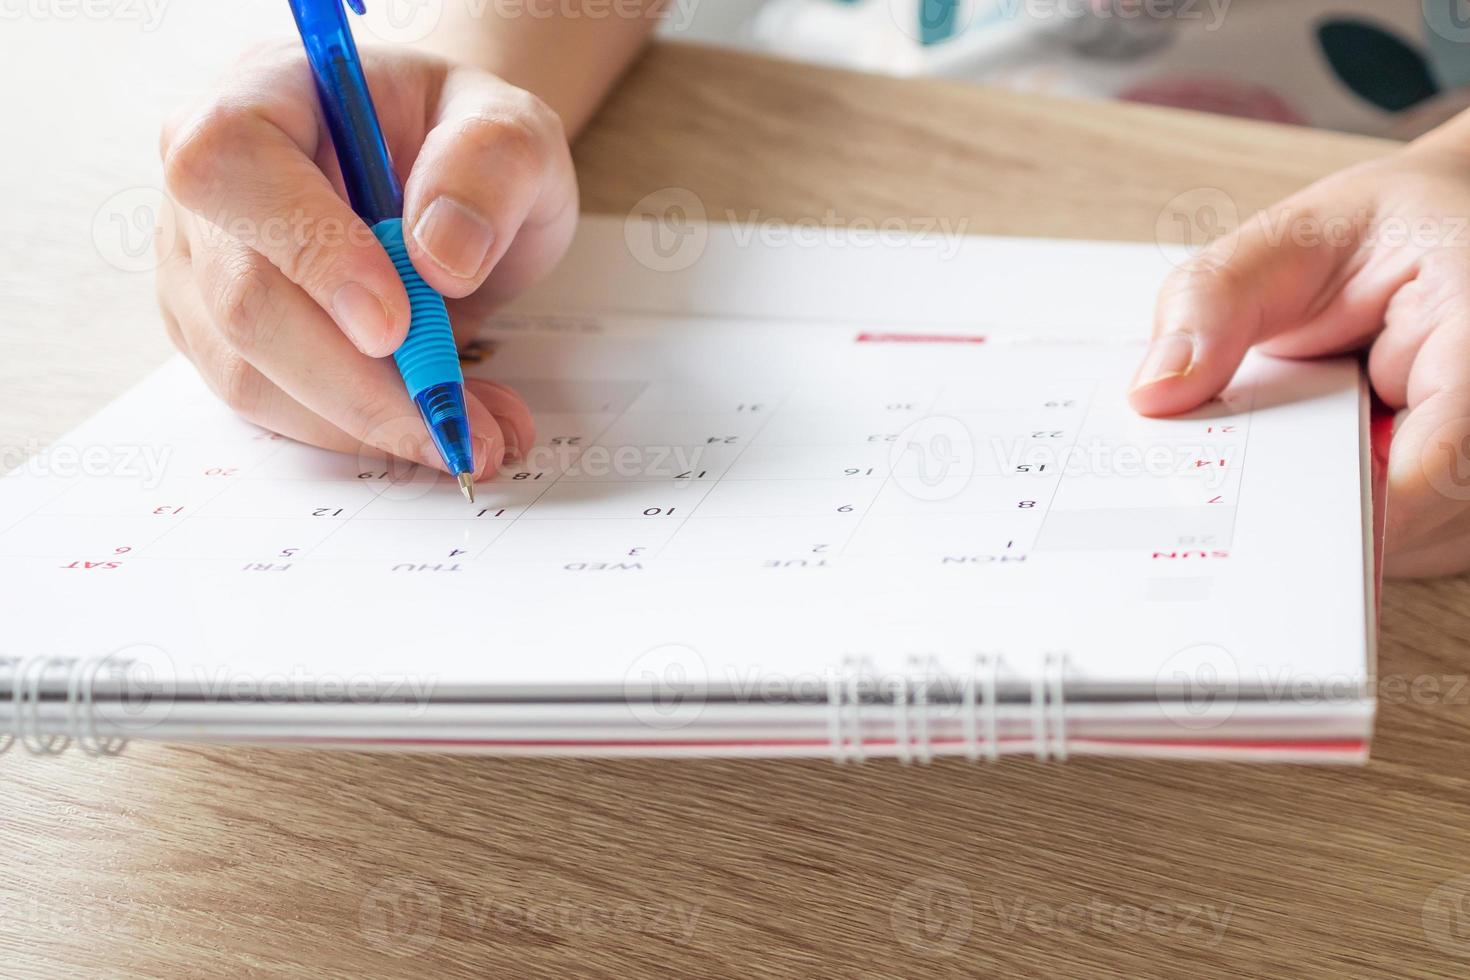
point(427, 360)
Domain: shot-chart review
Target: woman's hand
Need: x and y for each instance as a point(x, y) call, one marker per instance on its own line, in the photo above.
point(280, 294)
point(1378, 255)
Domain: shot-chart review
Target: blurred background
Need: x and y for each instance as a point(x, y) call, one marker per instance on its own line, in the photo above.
point(89, 83)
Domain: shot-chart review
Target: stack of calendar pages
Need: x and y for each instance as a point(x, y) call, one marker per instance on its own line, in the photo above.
point(835, 495)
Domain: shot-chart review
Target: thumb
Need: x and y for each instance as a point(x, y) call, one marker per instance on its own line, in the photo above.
point(493, 179)
point(1276, 274)
point(1429, 460)
point(1429, 487)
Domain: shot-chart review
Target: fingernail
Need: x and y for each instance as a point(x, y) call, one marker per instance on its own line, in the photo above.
point(454, 236)
point(1169, 356)
point(512, 450)
point(483, 462)
point(362, 315)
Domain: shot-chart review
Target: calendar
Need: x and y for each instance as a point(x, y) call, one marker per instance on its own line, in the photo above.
point(743, 492)
point(768, 469)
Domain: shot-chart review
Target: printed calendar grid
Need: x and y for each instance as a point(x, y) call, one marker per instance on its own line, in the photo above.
point(1057, 486)
point(887, 476)
point(348, 511)
point(741, 452)
point(1249, 399)
point(356, 512)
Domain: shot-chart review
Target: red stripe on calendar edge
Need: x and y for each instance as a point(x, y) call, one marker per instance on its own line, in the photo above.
point(1380, 439)
point(918, 338)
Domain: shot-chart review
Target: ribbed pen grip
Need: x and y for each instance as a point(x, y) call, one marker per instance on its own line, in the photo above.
point(428, 357)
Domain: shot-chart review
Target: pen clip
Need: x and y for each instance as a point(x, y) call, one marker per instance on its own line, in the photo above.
point(358, 7)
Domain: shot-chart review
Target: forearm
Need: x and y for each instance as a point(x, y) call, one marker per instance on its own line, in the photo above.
point(567, 52)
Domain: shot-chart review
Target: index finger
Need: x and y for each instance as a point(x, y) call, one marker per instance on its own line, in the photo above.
point(244, 163)
point(1257, 283)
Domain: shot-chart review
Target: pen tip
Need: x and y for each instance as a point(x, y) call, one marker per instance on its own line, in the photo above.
point(467, 486)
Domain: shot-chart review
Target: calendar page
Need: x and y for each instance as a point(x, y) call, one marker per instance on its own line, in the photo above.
point(756, 466)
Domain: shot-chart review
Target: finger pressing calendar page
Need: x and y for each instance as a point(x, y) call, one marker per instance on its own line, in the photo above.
point(850, 497)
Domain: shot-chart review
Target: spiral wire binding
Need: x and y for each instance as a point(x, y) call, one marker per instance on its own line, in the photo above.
point(921, 706)
point(81, 718)
point(979, 709)
point(834, 714)
point(82, 712)
point(26, 697)
point(1049, 708)
point(1059, 704)
point(901, 737)
point(981, 730)
point(912, 738)
point(855, 705)
point(912, 732)
point(844, 714)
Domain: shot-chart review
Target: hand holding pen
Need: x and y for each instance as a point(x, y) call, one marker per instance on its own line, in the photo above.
point(282, 295)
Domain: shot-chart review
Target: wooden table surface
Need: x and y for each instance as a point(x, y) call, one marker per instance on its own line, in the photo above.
point(211, 861)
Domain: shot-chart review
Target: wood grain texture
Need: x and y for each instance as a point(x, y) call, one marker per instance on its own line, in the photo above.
point(174, 861)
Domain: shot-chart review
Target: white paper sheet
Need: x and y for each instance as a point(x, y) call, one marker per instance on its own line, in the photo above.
point(749, 470)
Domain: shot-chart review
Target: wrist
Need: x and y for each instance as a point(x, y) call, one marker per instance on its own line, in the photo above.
point(1451, 136)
